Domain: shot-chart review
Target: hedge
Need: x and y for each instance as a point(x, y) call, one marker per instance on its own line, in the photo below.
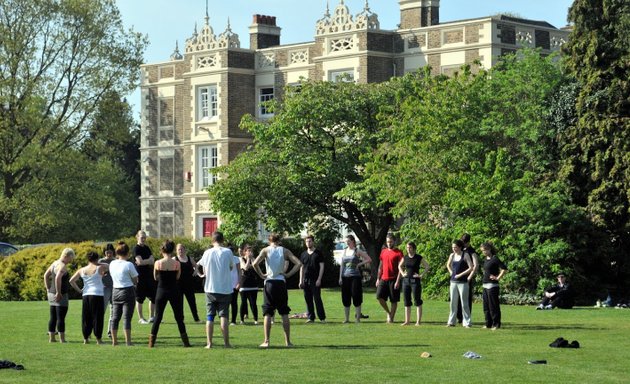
point(22, 274)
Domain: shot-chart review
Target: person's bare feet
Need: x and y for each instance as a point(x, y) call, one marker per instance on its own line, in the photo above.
point(417, 324)
point(289, 345)
point(405, 323)
point(86, 341)
point(228, 345)
point(265, 344)
point(99, 341)
point(209, 346)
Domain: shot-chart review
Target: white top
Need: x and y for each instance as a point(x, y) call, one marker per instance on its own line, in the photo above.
point(237, 265)
point(274, 263)
point(217, 263)
point(93, 284)
point(122, 273)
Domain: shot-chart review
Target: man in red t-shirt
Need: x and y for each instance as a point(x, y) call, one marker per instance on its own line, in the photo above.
point(387, 282)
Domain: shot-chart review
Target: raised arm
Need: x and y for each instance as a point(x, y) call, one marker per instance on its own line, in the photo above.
point(73, 281)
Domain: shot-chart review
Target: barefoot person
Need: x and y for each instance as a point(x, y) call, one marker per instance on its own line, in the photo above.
point(409, 268)
point(93, 297)
point(217, 264)
point(124, 278)
point(146, 288)
point(387, 282)
point(167, 271)
point(311, 274)
point(350, 278)
point(57, 282)
point(276, 295)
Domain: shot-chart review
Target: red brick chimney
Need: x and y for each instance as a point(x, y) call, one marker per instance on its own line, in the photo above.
point(264, 33)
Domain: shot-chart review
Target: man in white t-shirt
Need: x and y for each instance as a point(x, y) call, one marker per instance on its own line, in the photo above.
point(275, 291)
point(217, 264)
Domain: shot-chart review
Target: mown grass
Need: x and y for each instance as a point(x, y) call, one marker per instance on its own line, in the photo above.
point(370, 352)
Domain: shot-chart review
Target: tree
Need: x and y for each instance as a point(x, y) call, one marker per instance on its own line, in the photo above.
point(596, 147)
point(307, 165)
point(476, 153)
point(58, 59)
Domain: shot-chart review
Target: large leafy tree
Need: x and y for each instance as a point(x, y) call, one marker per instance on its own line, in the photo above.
point(58, 59)
point(476, 153)
point(306, 165)
point(596, 145)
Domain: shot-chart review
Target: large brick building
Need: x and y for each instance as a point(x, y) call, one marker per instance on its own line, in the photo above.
point(193, 103)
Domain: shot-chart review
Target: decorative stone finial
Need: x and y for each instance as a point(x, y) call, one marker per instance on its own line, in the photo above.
point(176, 55)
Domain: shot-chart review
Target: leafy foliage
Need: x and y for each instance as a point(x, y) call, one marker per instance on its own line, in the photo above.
point(476, 154)
point(58, 60)
point(307, 165)
point(596, 145)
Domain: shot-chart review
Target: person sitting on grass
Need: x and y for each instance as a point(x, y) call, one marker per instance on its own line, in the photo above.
point(560, 295)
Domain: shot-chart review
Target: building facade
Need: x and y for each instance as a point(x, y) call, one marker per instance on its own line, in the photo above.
point(192, 104)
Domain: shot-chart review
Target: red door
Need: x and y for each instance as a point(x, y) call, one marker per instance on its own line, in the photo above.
point(209, 226)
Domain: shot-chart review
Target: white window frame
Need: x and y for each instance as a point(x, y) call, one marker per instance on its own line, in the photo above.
point(264, 97)
point(207, 102)
point(208, 158)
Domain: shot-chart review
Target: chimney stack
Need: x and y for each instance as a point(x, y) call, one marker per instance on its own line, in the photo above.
point(419, 13)
point(264, 33)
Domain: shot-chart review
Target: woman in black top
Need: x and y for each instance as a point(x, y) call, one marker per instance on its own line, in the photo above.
point(493, 271)
point(409, 271)
point(186, 280)
point(167, 271)
point(249, 284)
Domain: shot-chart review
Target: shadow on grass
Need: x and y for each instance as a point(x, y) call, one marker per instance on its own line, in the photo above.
point(548, 327)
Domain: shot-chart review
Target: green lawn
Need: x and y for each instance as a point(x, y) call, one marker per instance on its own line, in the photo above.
point(370, 352)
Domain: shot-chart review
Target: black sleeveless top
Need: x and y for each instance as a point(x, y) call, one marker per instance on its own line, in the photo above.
point(186, 278)
point(167, 280)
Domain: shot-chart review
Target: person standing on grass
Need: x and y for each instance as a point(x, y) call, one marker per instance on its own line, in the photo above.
point(186, 280)
point(57, 282)
point(249, 284)
point(387, 282)
point(493, 271)
point(167, 271)
point(276, 294)
point(459, 266)
point(409, 271)
point(311, 274)
point(124, 278)
point(93, 297)
point(146, 284)
point(350, 278)
point(108, 285)
point(471, 277)
point(217, 264)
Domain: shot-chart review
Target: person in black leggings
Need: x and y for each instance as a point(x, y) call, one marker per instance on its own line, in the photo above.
point(167, 271)
point(57, 282)
point(186, 280)
point(249, 285)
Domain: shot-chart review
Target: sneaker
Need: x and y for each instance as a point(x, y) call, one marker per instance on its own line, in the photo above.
point(323, 321)
point(549, 306)
point(143, 321)
point(309, 321)
point(255, 322)
point(232, 323)
point(151, 319)
point(540, 307)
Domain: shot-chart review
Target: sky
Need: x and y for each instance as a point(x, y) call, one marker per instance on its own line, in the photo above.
point(168, 21)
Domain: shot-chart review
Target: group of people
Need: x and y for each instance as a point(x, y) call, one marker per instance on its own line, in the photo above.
point(115, 281)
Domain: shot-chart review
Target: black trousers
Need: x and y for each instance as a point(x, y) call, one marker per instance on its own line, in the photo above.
point(188, 291)
point(162, 298)
point(491, 309)
point(92, 316)
point(251, 297)
point(313, 295)
point(234, 305)
point(351, 291)
point(57, 319)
